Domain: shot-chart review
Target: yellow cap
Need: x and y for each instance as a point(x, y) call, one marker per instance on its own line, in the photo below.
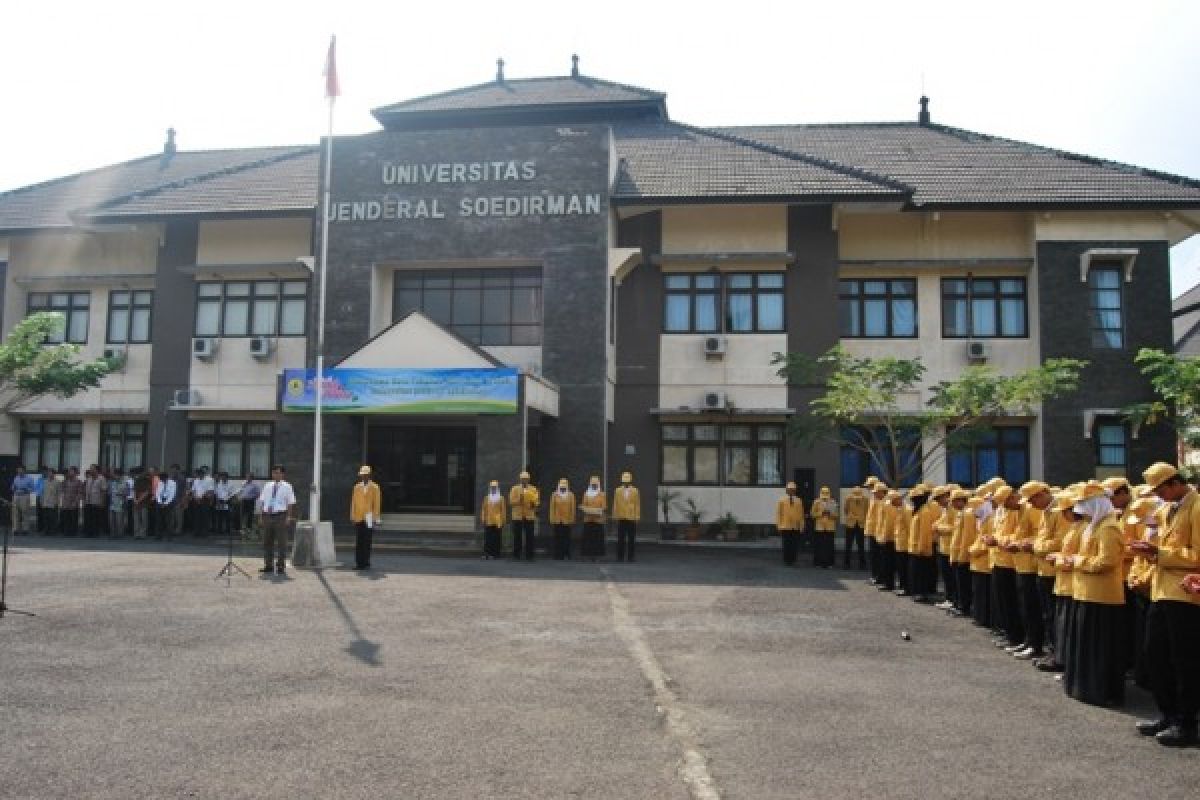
point(825, 491)
point(879, 486)
point(920, 490)
point(938, 491)
point(524, 476)
point(562, 483)
point(495, 484)
point(1158, 474)
point(871, 481)
point(974, 503)
point(893, 495)
point(960, 494)
point(1140, 508)
point(1091, 489)
point(1115, 484)
point(1002, 494)
point(1064, 501)
point(364, 470)
point(626, 477)
point(594, 479)
point(1030, 488)
point(791, 485)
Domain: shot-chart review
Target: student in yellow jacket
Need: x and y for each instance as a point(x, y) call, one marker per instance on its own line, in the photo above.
point(893, 519)
point(825, 516)
point(854, 516)
point(789, 522)
point(873, 529)
point(562, 519)
point(921, 562)
point(493, 512)
point(1049, 540)
point(523, 500)
point(627, 510)
point(1172, 644)
point(900, 547)
point(1095, 668)
point(1037, 498)
point(1004, 574)
point(978, 560)
point(960, 565)
point(943, 530)
point(366, 505)
point(1142, 523)
point(594, 504)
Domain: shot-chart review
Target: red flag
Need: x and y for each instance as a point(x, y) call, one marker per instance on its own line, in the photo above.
point(332, 89)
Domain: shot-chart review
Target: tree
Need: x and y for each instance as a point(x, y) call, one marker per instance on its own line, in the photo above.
point(30, 368)
point(1176, 383)
point(872, 405)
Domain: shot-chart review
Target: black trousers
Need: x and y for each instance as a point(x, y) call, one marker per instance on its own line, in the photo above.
point(1030, 604)
point(48, 521)
point(221, 522)
point(873, 557)
point(626, 537)
point(91, 520)
point(981, 598)
point(362, 545)
point(202, 519)
point(69, 518)
point(522, 529)
point(922, 571)
point(562, 542)
point(854, 538)
point(948, 576)
point(963, 590)
point(823, 545)
point(791, 546)
point(1007, 611)
point(1173, 658)
point(1045, 586)
point(902, 570)
point(491, 541)
point(887, 565)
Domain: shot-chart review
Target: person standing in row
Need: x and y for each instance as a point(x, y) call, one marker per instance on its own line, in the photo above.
point(119, 491)
point(854, 516)
point(1021, 543)
point(72, 501)
point(921, 562)
point(48, 505)
point(789, 521)
point(143, 502)
point(1004, 571)
point(562, 519)
point(895, 520)
point(166, 501)
point(962, 526)
point(277, 513)
point(224, 496)
point(23, 487)
point(366, 505)
point(594, 505)
point(523, 501)
point(899, 553)
point(943, 530)
point(825, 516)
point(1064, 583)
point(95, 498)
point(203, 498)
point(978, 560)
point(627, 511)
point(874, 503)
point(492, 513)
point(248, 492)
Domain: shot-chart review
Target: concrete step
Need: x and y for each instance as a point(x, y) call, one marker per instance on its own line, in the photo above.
point(422, 523)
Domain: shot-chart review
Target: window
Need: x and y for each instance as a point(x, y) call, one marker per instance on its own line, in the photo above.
point(129, 317)
point(73, 306)
point(122, 444)
point(1104, 306)
point(233, 447)
point(862, 448)
point(878, 308)
point(251, 308)
point(1111, 447)
point(978, 456)
point(53, 444)
point(726, 455)
point(983, 308)
point(753, 302)
point(484, 306)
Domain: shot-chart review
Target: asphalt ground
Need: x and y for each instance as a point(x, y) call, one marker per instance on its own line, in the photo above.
point(691, 673)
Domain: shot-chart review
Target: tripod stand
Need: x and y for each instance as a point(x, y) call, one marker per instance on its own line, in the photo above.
point(4, 609)
point(230, 567)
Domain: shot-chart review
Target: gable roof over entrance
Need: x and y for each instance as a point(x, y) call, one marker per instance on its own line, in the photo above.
point(417, 342)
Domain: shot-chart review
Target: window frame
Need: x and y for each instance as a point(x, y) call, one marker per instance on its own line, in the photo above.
point(756, 443)
point(723, 295)
point(1004, 452)
point(41, 435)
point(1116, 269)
point(218, 436)
point(130, 306)
point(251, 299)
point(889, 297)
point(69, 311)
point(1111, 423)
point(122, 437)
point(998, 297)
point(478, 281)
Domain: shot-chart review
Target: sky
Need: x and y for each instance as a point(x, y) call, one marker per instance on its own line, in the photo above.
point(94, 83)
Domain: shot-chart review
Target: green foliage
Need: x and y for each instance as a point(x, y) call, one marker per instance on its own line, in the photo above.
point(690, 510)
point(30, 368)
point(1176, 382)
point(873, 404)
point(667, 498)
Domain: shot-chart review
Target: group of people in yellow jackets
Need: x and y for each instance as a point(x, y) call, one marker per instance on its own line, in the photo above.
point(524, 502)
point(791, 523)
point(1096, 581)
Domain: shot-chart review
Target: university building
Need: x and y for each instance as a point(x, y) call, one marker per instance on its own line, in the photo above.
point(552, 272)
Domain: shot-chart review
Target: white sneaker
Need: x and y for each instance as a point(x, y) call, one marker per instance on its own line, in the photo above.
point(1024, 654)
point(1013, 648)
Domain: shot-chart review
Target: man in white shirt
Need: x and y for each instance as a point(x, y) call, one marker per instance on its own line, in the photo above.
point(276, 515)
point(203, 491)
point(164, 499)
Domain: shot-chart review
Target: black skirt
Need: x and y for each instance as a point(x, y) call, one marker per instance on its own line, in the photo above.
point(1064, 620)
point(592, 544)
point(1095, 668)
point(823, 549)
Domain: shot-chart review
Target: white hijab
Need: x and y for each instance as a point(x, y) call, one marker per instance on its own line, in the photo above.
point(1096, 509)
point(985, 510)
point(593, 490)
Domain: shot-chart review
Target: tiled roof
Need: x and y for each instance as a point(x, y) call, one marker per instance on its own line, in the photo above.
point(948, 166)
point(50, 204)
point(672, 161)
point(531, 92)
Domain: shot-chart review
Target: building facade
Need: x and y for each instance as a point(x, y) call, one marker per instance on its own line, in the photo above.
point(637, 273)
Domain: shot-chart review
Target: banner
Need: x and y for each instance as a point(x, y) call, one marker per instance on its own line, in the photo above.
point(403, 391)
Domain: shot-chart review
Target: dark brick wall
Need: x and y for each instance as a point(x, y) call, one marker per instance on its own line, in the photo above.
point(171, 332)
point(571, 250)
point(812, 318)
point(639, 321)
point(1111, 379)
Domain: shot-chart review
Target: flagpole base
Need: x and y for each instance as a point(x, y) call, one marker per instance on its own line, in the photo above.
point(313, 546)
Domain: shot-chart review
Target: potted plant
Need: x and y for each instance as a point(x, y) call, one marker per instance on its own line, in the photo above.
point(729, 527)
point(695, 515)
point(667, 498)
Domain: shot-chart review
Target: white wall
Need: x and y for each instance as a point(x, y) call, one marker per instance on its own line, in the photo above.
point(751, 506)
point(253, 241)
point(745, 372)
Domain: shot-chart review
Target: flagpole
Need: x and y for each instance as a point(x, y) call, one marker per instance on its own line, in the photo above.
point(314, 506)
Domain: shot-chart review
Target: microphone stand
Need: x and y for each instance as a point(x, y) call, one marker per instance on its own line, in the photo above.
point(230, 567)
point(4, 609)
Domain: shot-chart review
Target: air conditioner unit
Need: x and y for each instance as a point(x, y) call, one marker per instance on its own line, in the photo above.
point(714, 346)
point(261, 346)
point(714, 401)
point(187, 397)
point(115, 352)
point(978, 351)
point(204, 348)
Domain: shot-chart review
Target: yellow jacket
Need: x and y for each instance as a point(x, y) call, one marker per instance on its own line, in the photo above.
point(920, 539)
point(958, 553)
point(1134, 531)
point(562, 508)
point(854, 509)
point(627, 504)
point(524, 501)
point(978, 552)
point(943, 527)
point(1002, 528)
point(1064, 581)
point(1141, 571)
point(1049, 540)
point(871, 522)
point(1178, 551)
point(365, 500)
point(1098, 579)
point(1029, 520)
point(789, 514)
point(600, 501)
point(825, 512)
point(897, 521)
point(493, 511)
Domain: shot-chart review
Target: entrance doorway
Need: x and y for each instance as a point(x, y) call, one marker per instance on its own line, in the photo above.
point(424, 469)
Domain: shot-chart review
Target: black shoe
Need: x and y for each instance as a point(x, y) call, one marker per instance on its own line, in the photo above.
point(1151, 727)
point(280, 569)
point(1054, 666)
point(1177, 736)
point(267, 570)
